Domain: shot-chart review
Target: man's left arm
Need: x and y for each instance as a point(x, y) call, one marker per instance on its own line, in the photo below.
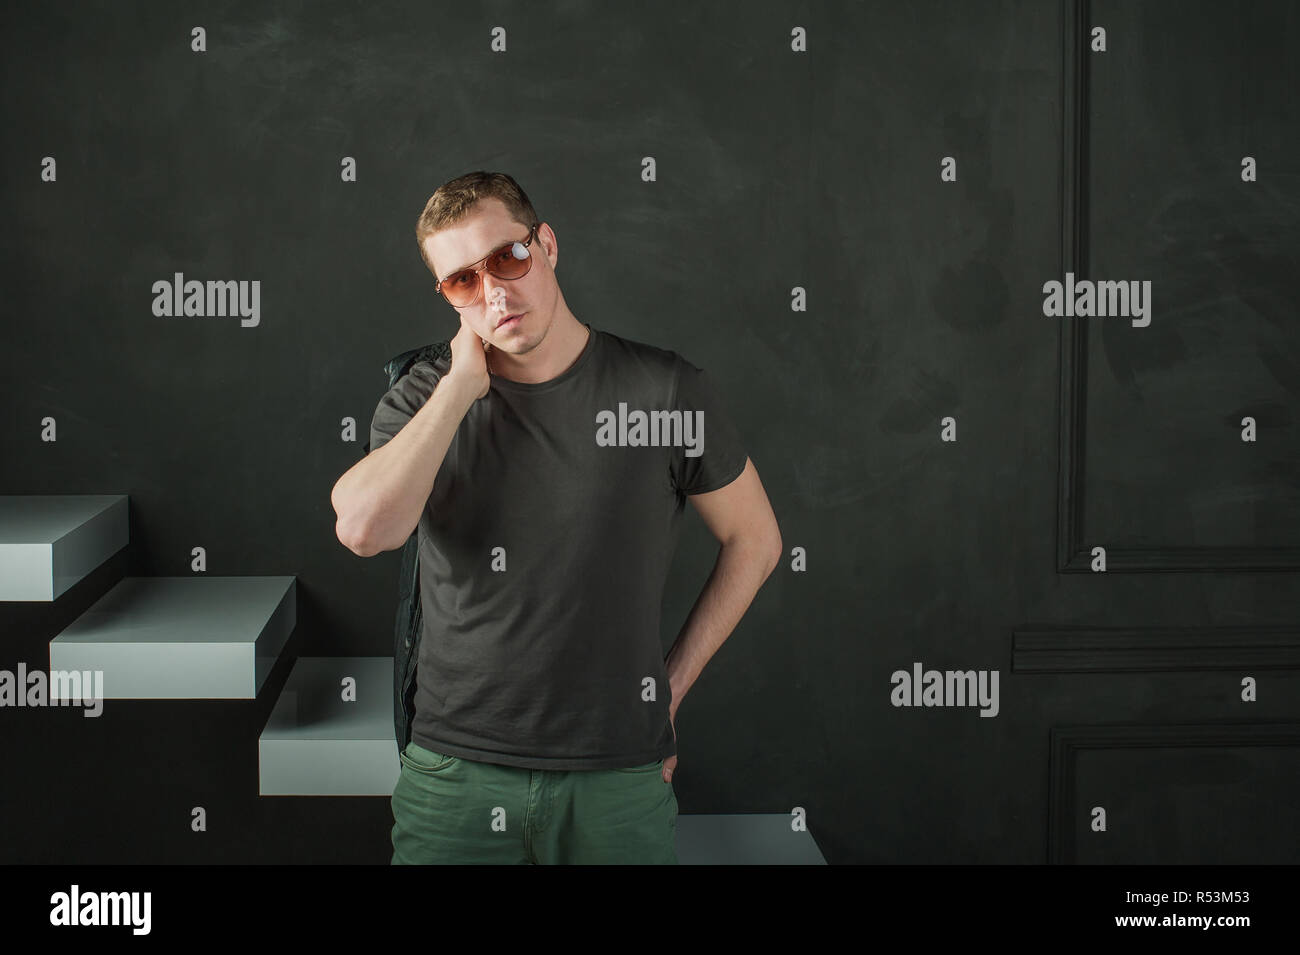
point(740, 517)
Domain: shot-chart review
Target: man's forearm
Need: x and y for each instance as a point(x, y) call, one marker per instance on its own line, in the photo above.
point(742, 566)
point(378, 501)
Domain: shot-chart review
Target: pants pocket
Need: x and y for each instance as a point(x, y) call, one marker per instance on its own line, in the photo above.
point(647, 768)
point(426, 761)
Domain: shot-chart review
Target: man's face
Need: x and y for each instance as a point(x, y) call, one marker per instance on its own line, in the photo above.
point(487, 229)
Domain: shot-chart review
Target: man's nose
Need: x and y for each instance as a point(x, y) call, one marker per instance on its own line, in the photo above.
point(493, 288)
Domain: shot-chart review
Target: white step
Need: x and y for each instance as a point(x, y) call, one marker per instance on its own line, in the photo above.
point(744, 838)
point(318, 744)
point(49, 542)
point(182, 638)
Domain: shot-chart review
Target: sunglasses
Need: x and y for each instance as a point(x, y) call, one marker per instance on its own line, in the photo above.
point(511, 261)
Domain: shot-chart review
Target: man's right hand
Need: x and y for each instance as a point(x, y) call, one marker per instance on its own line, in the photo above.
point(469, 361)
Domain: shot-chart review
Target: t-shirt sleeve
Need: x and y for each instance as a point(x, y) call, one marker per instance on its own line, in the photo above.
point(401, 402)
point(715, 455)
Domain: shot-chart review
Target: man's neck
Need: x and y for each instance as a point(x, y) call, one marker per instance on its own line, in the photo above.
point(563, 343)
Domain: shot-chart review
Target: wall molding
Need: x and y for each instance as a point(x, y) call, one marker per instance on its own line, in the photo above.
point(1153, 649)
point(1066, 742)
point(1073, 550)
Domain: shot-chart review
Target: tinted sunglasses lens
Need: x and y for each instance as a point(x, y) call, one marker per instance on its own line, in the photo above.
point(461, 288)
point(509, 262)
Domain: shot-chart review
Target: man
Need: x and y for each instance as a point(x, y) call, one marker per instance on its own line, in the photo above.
point(547, 495)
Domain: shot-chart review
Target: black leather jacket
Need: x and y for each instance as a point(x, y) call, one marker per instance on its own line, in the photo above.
point(410, 616)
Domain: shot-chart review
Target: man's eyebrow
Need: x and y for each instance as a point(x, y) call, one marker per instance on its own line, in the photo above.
point(476, 261)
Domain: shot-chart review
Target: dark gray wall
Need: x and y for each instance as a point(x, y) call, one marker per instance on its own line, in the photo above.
point(776, 169)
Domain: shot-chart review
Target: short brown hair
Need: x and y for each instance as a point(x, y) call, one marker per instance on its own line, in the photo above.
point(454, 201)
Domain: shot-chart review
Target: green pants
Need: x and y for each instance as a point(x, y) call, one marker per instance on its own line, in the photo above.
point(451, 810)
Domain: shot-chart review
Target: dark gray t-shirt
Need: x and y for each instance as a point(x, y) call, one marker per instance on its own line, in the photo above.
point(544, 547)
